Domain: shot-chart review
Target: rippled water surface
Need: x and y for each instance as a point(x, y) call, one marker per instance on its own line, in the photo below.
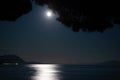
point(59, 72)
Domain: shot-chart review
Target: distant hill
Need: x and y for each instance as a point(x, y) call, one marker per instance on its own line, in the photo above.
point(34, 63)
point(11, 59)
point(111, 63)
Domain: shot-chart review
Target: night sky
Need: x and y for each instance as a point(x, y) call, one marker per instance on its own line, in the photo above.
point(35, 37)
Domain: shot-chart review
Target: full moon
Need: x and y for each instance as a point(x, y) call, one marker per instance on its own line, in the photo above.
point(49, 13)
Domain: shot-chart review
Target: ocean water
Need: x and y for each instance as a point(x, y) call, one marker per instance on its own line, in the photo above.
point(59, 72)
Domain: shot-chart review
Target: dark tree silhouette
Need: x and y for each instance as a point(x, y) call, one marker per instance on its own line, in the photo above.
point(83, 15)
point(10, 10)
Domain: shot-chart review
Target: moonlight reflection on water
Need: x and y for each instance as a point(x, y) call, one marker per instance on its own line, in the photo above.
point(46, 72)
point(59, 72)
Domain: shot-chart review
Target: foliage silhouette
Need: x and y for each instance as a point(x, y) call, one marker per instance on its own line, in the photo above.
point(10, 10)
point(83, 15)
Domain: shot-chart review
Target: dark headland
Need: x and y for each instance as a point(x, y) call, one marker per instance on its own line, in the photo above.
point(14, 60)
point(11, 60)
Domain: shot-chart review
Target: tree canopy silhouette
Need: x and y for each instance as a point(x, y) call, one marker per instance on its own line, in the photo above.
point(79, 15)
point(10, 10)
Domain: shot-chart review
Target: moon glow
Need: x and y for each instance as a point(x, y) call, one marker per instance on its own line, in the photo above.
point(49, 13)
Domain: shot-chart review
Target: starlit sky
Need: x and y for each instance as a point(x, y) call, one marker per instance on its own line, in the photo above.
point(39, 37)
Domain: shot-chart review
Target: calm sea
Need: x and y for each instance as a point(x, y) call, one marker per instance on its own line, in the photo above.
point(59, 72)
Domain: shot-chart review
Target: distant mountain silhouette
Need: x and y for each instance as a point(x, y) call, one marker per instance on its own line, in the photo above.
point(112, 62)
point(11, 59)
point(32, 62)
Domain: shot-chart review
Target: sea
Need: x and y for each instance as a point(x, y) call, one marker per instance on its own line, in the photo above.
point(59, 72)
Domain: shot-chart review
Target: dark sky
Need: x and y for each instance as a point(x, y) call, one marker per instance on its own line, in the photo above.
point(34, 37)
